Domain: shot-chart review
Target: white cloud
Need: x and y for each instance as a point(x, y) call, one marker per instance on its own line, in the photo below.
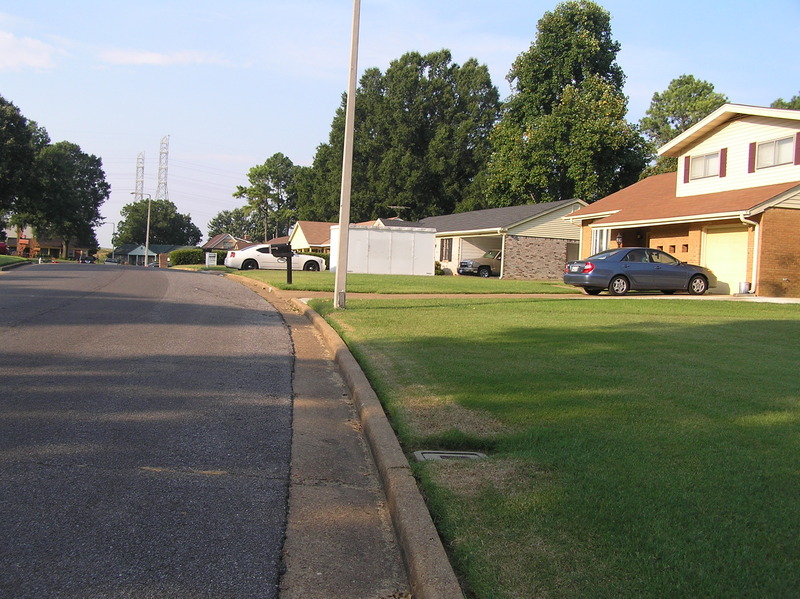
point(18, 53)
point(145, 57)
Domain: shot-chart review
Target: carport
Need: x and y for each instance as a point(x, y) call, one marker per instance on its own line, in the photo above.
point(535, 239)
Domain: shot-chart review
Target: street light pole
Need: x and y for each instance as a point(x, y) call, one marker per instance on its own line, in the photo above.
point(147, 234)
point(113, 235)
point(340, 281)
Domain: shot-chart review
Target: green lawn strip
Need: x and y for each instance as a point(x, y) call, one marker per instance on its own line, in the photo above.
point(638, 448)
point(6, 260)
point(398, 284)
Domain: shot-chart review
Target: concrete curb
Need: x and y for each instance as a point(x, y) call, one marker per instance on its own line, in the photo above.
point(429, 570)
point(14, 265)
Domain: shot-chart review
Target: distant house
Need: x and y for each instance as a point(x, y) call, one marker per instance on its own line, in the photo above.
point(282, 240)
point(134, 253)
point(311, 236)
point(21, 242)
point(225, 242)
point(534, 239)
point(732, 206)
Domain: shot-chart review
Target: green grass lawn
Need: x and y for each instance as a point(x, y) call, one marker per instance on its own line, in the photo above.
point(399, 284)
point(6, 260)
point(638, 448)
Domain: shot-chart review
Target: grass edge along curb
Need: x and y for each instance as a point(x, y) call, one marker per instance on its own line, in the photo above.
point(431, 575)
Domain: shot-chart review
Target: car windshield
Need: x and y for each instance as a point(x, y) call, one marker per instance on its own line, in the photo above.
point(492, 254)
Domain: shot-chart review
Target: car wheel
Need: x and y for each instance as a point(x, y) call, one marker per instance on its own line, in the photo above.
point(310, 265)
point(619, 285)
point(698, 285)
point(592, 291)
point(485, 272)
point(667, 291)
point(250, 265)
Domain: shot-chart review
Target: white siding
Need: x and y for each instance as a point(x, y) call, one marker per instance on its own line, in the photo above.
point(550, 225)
point(396, 251)
point(737, 136)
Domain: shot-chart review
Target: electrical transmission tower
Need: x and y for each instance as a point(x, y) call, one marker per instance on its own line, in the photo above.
point(163, 159)
point(139, 192)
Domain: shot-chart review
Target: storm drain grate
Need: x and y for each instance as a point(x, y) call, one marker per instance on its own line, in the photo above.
point(423, 456)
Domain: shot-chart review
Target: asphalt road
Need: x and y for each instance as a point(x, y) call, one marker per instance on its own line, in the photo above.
point(145, 428)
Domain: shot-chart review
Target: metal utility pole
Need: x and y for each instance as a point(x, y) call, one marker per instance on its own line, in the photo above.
point(163, 159)
point(139, 193)
point(147, 234)
point(340, 281)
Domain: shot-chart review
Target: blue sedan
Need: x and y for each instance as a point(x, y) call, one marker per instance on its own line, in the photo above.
point(622, 269)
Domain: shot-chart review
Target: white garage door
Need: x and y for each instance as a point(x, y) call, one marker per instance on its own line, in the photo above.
point(726, 255)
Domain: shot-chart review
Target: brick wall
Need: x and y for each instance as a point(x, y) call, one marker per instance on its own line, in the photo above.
point(682, 241)
point(778, 274)
point(534, 258)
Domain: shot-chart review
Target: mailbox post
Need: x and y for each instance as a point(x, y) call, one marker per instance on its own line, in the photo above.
point(284, 250)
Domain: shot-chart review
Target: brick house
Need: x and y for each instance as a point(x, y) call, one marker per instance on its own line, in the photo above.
point(732, 206)
point(535, 240)
point(21, 242)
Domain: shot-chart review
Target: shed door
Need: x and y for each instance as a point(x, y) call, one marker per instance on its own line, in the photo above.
point(726, 255)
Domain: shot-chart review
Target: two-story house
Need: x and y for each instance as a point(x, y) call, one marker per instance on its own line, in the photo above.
point(732, 206)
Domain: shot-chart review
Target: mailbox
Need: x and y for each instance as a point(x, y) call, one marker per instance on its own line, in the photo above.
point(281, 250)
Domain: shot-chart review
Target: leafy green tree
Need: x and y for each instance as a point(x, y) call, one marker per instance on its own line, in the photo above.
point(167, 225)
point(239, 222)
point(20, 140)
point(793, 103)
point(421, 141)
point(563, 132)
point(685, 102)
point(64, 194)
point(271, 195)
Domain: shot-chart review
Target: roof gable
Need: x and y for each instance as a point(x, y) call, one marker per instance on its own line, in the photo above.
point(316, 233)
point(492, 218)
point(225, 241)
point(722, 115)
point(654, 199)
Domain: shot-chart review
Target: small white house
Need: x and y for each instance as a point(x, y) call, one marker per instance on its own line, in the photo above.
point(387, 251)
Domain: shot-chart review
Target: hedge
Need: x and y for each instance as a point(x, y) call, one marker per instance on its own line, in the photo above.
point(189, 256)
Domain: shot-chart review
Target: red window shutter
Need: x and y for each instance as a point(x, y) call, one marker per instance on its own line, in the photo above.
point(687, 165)
point(797, 149)
point(751, 159)
point(723, 162)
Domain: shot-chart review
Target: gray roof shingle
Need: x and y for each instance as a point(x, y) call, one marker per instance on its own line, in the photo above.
point(491, 218)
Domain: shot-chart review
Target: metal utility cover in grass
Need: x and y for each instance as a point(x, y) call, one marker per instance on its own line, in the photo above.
point(423, 456)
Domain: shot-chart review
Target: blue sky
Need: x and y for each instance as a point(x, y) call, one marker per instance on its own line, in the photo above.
point(234, 82)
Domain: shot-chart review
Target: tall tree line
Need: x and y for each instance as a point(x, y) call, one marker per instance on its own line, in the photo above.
point(421, 141)
point(432, 137)
point(57, 189)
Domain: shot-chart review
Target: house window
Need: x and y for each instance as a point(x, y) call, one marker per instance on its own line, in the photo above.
point(446, 250)
point(600, 240)
point(775, 152)
point(704, 166)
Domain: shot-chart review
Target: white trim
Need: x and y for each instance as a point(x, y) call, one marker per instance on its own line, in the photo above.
point(472, 233)
point(667, 221)
point(756, 250)
point(503, 256)
point(601, 240)
point(584, 217)
point(721, 115)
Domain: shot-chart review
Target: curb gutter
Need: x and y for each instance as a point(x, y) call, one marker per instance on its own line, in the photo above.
point(430, 574)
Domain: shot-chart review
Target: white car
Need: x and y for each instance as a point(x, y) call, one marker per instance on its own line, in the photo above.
point(260, 256)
